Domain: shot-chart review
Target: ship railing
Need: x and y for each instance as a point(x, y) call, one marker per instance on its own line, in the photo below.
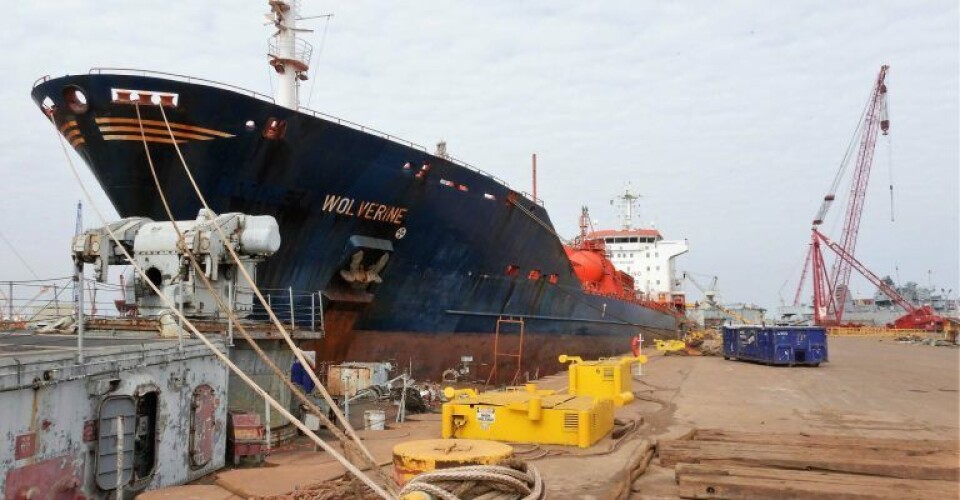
point(400, 140)
point(486, 174)
point(530, 197)
point(36, 303)
point(315, 113)
point(182, 78)
point(360, 127)
point(300, 309)
point(29, 303)
point(302, 50)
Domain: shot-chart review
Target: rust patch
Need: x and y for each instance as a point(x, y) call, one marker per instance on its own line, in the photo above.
point(25, 446)
point(56, 478)
point(89, 431)
point(202, 425)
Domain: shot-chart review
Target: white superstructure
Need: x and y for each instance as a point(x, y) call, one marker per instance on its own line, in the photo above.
point(643, 253)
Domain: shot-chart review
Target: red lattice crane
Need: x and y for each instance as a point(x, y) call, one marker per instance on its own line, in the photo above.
point(916, 317)
point(830, 289)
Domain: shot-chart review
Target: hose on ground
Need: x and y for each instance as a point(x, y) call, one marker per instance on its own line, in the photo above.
point(510, 480)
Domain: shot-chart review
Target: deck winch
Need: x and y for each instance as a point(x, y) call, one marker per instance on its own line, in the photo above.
point(157, 248)
point(526, 415)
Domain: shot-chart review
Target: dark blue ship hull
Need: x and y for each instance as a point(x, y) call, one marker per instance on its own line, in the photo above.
point(462, 248)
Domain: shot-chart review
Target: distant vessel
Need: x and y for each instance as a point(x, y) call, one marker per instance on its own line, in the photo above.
point(416, 255)
point(644, 254)
point(880, 310)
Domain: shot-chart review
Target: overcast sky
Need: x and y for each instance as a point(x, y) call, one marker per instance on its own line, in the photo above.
point(730, 118)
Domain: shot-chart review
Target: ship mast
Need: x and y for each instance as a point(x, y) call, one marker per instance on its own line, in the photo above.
point(289, 55)
point(626, 204)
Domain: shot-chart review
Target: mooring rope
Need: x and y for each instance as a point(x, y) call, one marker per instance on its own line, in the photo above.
point(512, 480)
point(266, 305)
point(355, 443)
point(220, 355)
point(364, 454)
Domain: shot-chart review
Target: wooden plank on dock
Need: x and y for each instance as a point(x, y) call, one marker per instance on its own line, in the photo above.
point(857, 460)
point(827, 440)
point(731, 482)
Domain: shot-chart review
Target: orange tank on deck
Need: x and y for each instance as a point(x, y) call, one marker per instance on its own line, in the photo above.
point(597, 273)
point(587, 265)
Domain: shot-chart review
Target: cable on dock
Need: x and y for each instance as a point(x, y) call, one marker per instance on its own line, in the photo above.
point(511, 480)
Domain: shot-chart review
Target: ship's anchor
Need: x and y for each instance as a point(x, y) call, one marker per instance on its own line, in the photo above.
point(358, 274)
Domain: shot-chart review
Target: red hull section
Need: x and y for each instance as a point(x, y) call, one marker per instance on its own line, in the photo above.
point(432, 353)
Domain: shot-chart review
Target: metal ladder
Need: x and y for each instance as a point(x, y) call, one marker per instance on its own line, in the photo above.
point(502, 320)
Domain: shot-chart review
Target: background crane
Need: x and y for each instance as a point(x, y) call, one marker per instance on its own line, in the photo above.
point(916, 317)
point(830, 289)
point(710, 296)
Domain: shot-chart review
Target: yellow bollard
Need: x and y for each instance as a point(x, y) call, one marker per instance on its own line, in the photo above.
point(535, 409)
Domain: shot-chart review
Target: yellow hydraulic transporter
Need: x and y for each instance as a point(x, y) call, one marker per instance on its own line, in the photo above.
point(527, 416)
point(604, 378)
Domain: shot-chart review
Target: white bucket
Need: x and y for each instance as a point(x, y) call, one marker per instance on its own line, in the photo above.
point(374, 420)
point(311, 422)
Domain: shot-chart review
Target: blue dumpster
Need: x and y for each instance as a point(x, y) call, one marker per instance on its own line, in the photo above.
point(776, 345)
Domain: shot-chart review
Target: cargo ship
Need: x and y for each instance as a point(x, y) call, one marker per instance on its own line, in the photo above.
point(417, 256)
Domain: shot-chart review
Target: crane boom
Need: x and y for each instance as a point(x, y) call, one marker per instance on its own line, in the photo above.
point(710, 296)
point(830, 290)
point(867, 273)
point(875, 120)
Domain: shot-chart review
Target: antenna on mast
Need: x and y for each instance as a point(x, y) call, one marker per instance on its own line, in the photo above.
point(290, 56)
point(627, 206)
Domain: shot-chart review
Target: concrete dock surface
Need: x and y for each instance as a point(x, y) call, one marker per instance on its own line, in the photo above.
point(872, 387)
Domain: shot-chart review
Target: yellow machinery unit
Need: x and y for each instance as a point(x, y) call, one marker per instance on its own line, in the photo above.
point(670, 345)
point(604, 378)
point(527, 416)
